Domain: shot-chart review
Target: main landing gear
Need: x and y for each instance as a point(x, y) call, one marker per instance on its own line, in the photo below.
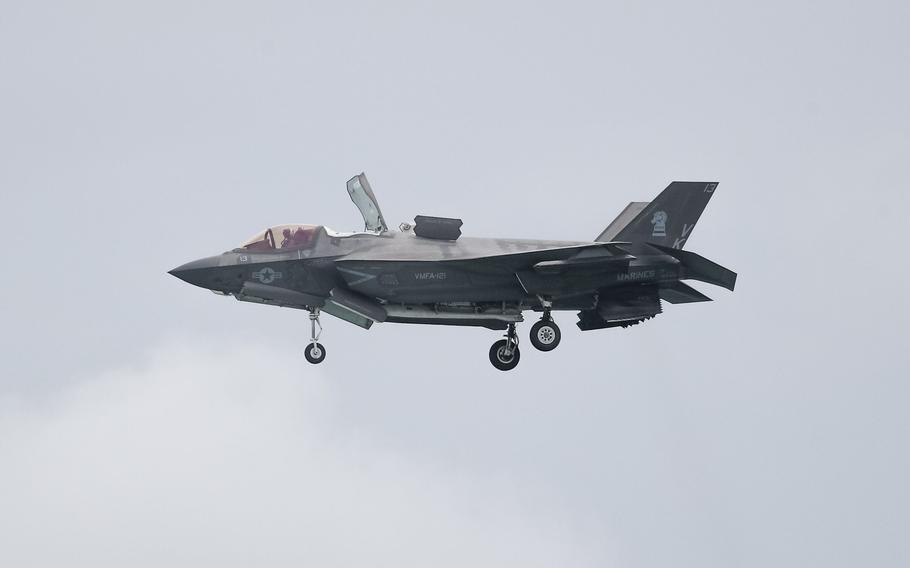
point(545, 336)
point(504, 354)
point(314, 352)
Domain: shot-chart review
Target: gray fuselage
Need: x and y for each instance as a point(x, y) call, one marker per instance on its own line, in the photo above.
point(401, 268)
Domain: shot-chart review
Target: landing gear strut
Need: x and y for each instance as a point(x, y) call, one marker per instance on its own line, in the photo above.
point(545, 333)
point(504, 354)
point(314, 352)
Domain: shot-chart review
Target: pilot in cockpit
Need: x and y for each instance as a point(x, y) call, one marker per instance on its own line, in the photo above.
point(288, 239)
point(296, 236)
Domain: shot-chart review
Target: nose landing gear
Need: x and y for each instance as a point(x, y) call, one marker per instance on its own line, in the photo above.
point(545, 333)
point(314, 352)
point(504, 354)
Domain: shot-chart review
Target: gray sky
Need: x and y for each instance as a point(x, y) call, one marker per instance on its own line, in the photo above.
point(145, 422)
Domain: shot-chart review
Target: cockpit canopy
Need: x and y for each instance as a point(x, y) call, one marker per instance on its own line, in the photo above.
point(283, 237)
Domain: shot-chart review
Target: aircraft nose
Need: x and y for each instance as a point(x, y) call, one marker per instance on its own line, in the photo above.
point(197, 272)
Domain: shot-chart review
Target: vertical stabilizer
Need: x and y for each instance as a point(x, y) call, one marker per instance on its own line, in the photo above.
point(669, 219)
point(627, 216)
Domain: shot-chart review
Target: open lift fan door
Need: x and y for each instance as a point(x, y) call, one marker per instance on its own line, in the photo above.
point(362, 196)
point(440, 228)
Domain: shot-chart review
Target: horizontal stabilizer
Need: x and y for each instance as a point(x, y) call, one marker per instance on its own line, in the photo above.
point(679, 293)
point(700, 268)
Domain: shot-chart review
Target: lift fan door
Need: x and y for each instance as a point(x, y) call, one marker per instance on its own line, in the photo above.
point(363, 198)
point(439, 228)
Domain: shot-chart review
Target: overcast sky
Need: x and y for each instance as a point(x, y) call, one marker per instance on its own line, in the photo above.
point(147, 422)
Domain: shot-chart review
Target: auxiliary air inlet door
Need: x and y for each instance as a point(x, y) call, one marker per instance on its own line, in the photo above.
point(363, 198)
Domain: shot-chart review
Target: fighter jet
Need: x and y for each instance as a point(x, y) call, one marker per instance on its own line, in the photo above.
point(427, 273)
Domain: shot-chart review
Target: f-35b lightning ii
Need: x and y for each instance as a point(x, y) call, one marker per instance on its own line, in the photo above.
point(426, 273)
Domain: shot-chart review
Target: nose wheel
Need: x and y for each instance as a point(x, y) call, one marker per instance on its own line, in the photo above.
point(545, 334)
point(314, 352)
point(504, 354)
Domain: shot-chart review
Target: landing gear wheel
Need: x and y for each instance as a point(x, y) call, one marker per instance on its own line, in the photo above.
point(545, 335)
point(314, 353)
point(502, 358)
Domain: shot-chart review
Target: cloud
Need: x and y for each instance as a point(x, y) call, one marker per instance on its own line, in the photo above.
point(231, 456)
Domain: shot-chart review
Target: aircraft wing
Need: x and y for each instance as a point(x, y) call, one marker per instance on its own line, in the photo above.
point(607, 257)
point(582, 272)
point(554, 270)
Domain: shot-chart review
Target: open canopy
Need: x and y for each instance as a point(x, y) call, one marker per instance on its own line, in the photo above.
point(282, 237)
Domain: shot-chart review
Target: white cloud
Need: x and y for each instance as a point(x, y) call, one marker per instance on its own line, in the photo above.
point(213, 455)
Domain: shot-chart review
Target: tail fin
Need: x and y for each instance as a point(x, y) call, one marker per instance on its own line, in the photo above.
point(622, 221)
point(669, 219)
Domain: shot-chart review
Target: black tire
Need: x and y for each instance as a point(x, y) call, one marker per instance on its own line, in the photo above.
point(314, 353)
point(498, 359)
point(545, 335)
